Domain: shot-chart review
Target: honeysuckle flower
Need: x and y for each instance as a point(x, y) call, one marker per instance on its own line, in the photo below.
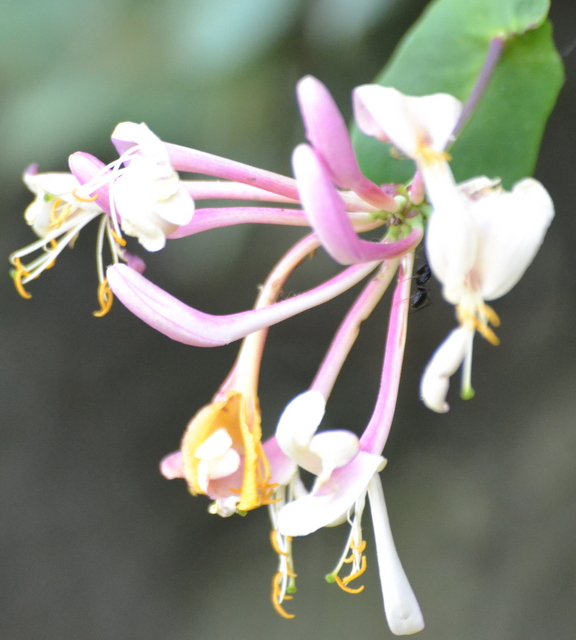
point(327, 214)
point(61, 208)
point(507, 230)
point(139, 194)
point(479, 240)
point(149, 198)
point(345, 475)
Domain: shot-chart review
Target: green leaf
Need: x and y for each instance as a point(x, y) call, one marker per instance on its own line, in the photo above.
point(445, 52)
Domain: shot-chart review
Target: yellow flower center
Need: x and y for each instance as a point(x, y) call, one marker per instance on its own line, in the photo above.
point(239, 416)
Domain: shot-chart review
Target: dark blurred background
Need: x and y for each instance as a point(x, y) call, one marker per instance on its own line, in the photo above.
point(94, 543)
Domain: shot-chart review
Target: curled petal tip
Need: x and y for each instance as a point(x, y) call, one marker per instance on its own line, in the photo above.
point(444, 363)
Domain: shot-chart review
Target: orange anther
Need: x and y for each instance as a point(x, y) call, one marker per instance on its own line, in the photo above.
point(492, 316)
point(105, 298)
point(119, 239)
point(358, 573)
point(356, 549)
point(345, 587)
point(277, 597)
point(275, 545)
point(57, 219)
point(19, 273)
point(486, 332)
point(82, 199)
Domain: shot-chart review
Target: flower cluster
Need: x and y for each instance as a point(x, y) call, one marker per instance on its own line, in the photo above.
point(479, 240)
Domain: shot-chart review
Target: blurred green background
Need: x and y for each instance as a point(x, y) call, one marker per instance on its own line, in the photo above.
point(94, 543)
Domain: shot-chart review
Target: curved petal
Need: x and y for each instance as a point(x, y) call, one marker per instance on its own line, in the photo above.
point(215, 218)
point(335, 449)
point(180, 322)
point(511, 228)
point(328, 217)
point(333, 499)
point(130, 134)
point(297, 426)
point(282, 467)
point(172, 466)
point(402, 610)
point(444, 363)
point(451, 236)
point(328, 133)
point(407, 122)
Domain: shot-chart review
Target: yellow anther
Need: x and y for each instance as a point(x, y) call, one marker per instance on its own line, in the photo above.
point(19, 273)
point(81, 198)
point(119, 239)
point(471, 321)
point(485, 331)
point(356, 548)
point(358, 573)
point(492, 316)
point(57, 219)
point(275, 545)
point(105, 298)
point(277, 598)
point(345, 587)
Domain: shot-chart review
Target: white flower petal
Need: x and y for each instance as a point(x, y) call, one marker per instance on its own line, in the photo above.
point(149, 197)
point(511, 227)
point(451, 236)
point(406, 121)
point(146, 214)
point(222, 466)
point(215, 445)
point(56, 183)
point(400, 604)
point(129, 134)
point(296, 427)
point(329, 502)
point(444, 363)
point(335, 449)
point(48, 188)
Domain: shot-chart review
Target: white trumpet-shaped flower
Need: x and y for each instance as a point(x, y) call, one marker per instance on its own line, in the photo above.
point(345, 476)
point(149, 197)
point(480, 239)
point(505, 230)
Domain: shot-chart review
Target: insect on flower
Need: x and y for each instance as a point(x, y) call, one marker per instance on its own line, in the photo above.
point(421, 298)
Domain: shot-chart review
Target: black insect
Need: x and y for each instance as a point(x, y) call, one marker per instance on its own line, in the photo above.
point(421, 298)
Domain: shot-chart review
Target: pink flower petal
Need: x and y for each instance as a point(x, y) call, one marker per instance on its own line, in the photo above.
point(328, 216)
point(172, 466)
point(327, 131)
